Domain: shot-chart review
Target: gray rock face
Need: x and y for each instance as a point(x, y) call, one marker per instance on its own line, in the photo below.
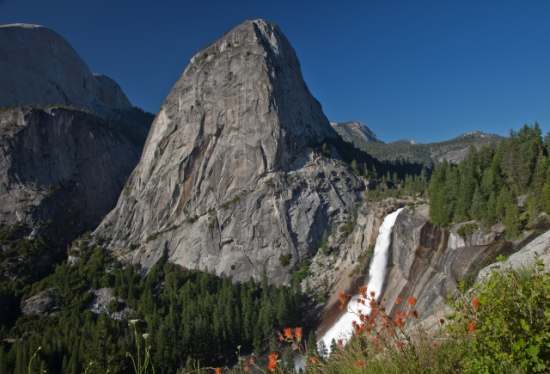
point(38, 67)
point(536, 250)
point(342, 265)
point(232, 179)
point(41, 304)
point(104, 302)
point(355, 132)
point(60, 170)
point(428, 262)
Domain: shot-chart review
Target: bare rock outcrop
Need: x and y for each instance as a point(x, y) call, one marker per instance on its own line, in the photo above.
point(61, 170)
point(538, 250)
point(39, 68)
point(238, 175)
point(105, 302)
point(355, 132)
point(68, 138)
point(341, 264)
point(42, 303)
point(428, 262)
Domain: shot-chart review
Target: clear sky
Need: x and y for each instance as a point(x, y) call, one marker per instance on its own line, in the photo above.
point(411, 69)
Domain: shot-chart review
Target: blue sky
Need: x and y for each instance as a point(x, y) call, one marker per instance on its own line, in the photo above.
point(423, 70)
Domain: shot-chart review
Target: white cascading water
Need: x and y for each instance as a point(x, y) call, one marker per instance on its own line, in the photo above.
point(342, 330)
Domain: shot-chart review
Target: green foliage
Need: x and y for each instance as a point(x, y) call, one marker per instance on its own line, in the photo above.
point(467, 229)
point(284, 260)
point(510, 327)
point(301, 273)
point(504, 328)
point(347, 227)
point(393, 185)
point(190, 316)
point(23, 260)
point(235, 200)
point(487, 184)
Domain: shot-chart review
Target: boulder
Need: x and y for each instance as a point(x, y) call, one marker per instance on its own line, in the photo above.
point(41, 304)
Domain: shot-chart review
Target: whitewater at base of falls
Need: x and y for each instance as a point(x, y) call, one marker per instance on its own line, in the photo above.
point(342, 330)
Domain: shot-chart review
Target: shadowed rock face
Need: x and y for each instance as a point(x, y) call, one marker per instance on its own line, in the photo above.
point(38, 67)
point(232, 179)
point(61, 170)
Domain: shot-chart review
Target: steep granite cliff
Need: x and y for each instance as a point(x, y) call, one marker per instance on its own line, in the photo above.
point(39, 68)
point(237, 176)
point(61, 170)
point(429, 262)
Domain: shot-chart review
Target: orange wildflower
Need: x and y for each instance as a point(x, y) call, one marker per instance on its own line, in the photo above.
point(313, 360)
point(363, 291)
point(343, 299)
point(411, 300)
point(272, 361)
point(298, 333)
point(287, 333)
point(360, 364)
point(471, 326)
point(218, 371)
point(398, 300)
point(475, 303)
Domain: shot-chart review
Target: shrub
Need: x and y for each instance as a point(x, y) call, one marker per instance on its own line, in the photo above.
point(284, 260)
point(507, 323)
point(467, 229)
point(500, 326)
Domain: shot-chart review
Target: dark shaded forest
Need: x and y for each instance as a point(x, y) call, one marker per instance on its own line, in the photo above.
point(187, 316)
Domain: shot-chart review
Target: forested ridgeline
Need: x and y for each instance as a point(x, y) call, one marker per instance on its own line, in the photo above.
point(185, 316)
point(509, 183)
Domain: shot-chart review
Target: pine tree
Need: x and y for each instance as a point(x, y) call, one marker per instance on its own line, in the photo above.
point(512, 221)
point(478, 209)
point(545, 195)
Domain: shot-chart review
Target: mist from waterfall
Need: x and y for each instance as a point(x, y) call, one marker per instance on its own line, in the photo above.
point(342, 330)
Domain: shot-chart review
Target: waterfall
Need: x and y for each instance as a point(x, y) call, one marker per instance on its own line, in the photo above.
point(343, 327)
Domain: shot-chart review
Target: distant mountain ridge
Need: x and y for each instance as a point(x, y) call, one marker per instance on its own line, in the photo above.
point(453, 150)
point(352, 131)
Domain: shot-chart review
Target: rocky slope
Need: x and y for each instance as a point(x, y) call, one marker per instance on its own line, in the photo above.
point(61, 170)
point(234, 177)
point(355, 132)
point(425, 261)
point(429, 263)
point(39, 68)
